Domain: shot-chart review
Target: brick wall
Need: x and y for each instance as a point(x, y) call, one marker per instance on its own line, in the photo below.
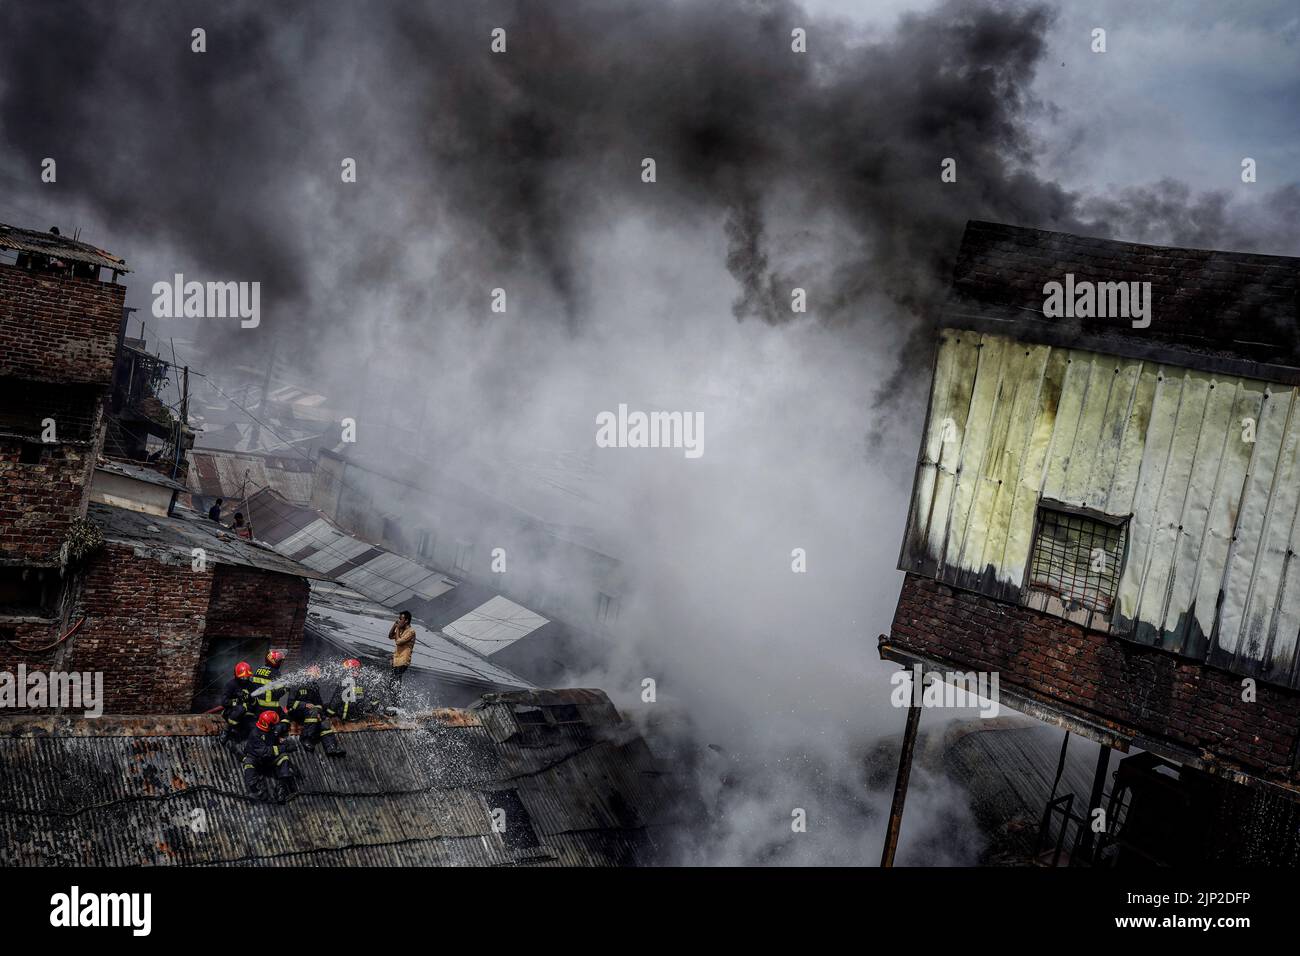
point(144, 628)
point(61, 331)
point(250, 603)
point(56, 329)
point(39, 501)
point(1131, 687)
point(147, 626)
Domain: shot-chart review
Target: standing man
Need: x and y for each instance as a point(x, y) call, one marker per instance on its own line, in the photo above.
point(214, 513)
point(404, 637)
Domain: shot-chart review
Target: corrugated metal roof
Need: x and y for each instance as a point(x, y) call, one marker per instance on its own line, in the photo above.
point(494, 625)
point(414, 794)
point(392, 579)
point(174, 538)
point(137, 472)
point(1210, 570)
point(62, 247)
point(221, 474)
point(342, 616)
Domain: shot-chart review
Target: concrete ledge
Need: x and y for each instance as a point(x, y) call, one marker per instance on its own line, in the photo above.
point(198, 725)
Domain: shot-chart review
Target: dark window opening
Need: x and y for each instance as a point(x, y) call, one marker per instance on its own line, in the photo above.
point(463, 552)
point(28, 592)
point(518, 833)
point(565, 714)
point(35, 411)
point(424, 544)
point(530, 715)
point(1077, 558)
point(606, 608)
point(219, 666)
point(29, 453)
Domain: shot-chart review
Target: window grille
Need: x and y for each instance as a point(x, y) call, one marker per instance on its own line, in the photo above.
point(1077, 558)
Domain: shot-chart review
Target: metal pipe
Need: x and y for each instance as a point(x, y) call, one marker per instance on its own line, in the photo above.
point(1083, 846)
point(900, 786)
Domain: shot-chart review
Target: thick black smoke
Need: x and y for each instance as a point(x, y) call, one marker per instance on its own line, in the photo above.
point(231, 157)
point(229, 160)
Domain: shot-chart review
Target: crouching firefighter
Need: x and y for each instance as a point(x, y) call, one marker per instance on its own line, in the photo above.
point(349, 701)
point(236, 707)
point(268, 775)
point(304, 704)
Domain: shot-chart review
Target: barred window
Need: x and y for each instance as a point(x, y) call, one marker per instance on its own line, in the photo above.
point(1077, 558)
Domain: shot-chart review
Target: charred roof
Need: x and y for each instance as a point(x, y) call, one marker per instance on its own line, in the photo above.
point(58, 246)
point(1231, 312)
point(172, 539)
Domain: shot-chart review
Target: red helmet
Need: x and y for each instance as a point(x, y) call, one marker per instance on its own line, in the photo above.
point(352, 664)
point(243, 670)
point(275, 658)
point(267, 719)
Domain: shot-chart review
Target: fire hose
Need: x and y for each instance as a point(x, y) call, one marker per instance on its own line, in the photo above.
point(36, 650)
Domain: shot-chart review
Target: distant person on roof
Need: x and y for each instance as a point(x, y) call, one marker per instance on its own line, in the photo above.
point(403, 634)
point(240, 528)
point(214, 513)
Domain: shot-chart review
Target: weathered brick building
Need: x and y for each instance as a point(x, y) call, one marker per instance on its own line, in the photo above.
point(59, 331)
point(100, 570)
point(166, 632)
point(1105, 513)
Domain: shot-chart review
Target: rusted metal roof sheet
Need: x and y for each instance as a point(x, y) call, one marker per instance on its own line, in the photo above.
point(1211, 509)
point(228, 475)
point(61, 247)
point(419, 793)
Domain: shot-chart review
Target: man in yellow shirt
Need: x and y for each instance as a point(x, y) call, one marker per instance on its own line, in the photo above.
point(403, 634)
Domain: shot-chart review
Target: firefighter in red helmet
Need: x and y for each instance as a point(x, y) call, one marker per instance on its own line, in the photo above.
point(268, 773)
point(236, 707)
point(349, 701)
point(304, 704)
point(268, 693)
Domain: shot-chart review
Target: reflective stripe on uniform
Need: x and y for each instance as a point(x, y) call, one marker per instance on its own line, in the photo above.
point(262, 676)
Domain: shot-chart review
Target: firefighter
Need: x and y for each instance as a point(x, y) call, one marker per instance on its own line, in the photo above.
point(236, 706)
point(349, 700)
point(304, 704)
point(265, 757)
point(270, 698)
